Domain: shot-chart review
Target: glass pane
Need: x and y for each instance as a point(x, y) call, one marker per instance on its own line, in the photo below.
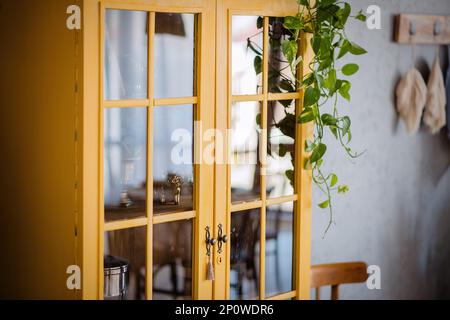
point(124, 264)
point(172, 261)
point(244, 259)
point(281, 77)
point(125, 163)
point(247, 49)
point(174, 55)
point(173, 170)
point(281, 148)
point(126, 55)
point(245, 169)
point(279, 249)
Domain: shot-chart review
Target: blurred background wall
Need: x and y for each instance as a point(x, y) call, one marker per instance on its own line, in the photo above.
point(397, 214)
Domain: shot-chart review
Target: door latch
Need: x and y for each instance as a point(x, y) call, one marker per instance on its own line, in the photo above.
point(209, 243)
point(221, 239)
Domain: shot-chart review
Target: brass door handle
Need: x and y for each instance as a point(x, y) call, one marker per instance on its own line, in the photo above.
point(209, 241)
point(221, 239)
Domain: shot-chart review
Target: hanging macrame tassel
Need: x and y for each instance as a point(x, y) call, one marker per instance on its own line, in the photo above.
point(210, 271)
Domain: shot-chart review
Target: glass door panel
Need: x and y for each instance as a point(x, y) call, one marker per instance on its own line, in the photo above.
point(171, 73)
point(124, 263)
point(126, 54)
point(281, 76)
point(247, 48)
point(259, 102)
point(172, 262)
point(173, 156)
point(279, 253)
point(244, 256)
point(281, 132)
point(152, 210)
point(174, 55)
point(125, 163)
point(245, 168)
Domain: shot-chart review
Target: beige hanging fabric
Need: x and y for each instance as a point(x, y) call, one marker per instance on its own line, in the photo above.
point(434, 117)
point(411, 98)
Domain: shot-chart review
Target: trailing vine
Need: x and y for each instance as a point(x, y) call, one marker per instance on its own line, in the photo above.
point(323, 83)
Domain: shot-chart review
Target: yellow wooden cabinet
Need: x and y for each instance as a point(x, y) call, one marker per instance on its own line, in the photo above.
point(113, 103)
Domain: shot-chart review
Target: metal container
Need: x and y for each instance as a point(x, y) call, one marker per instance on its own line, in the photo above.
point(116, 278)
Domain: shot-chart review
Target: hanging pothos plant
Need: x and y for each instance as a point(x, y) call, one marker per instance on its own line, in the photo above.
point(325, 21)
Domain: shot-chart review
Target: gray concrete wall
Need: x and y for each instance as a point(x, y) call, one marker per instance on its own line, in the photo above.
point(397, 214)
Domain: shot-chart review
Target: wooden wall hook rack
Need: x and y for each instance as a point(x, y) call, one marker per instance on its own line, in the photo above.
point(422, 29)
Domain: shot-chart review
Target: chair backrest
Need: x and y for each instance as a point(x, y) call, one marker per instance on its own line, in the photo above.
point(336, 274)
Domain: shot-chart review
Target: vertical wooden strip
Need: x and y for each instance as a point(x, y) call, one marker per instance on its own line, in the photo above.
point(204, 171)
point(335, 292)
point(101, 208)
point(303, 187)
point(263, 158)
point(149, 195)
point(225, 26)
point(197, 250)
point(90, 150)
point(197, 159)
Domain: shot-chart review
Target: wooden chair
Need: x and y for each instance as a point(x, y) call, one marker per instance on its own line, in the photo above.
point(336, 274)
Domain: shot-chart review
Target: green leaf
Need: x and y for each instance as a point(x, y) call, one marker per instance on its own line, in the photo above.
point(343, 189)
point(287, 125)
point(306, 116)
point(296, 62)
point(320, 81)
point(286, 103)
point(312, 96)
point(293, 23)
point(260, 23)
point(344, 90)
point(328, 120)
point(324, 204)
point(290, 174)
point(258, 64)
point(325, 3)
point(308, 80)
point(309, 146)
point(315, 43)
point(356, 49)
point(318, 152)
point(346, 123)
point(330, 81)
point(350, 69)
point(333, 180)
point(343, 15)
point(361, 16)
point(334, 131)
point(338, 84)
point(319, 163)
point(258, 119)
point(303, 2)
point(290, 49)
point(349, 135)
point(282, 150)
point(286, 85)
point(345, 48)
point(307, 164)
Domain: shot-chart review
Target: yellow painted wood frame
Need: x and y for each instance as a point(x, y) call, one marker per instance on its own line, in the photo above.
point(94, 105)
point(213, 100)
point(224, 99)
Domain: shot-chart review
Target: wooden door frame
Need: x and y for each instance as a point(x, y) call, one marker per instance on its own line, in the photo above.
point(214, 51)
point(94, 226)
point(303, 178)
